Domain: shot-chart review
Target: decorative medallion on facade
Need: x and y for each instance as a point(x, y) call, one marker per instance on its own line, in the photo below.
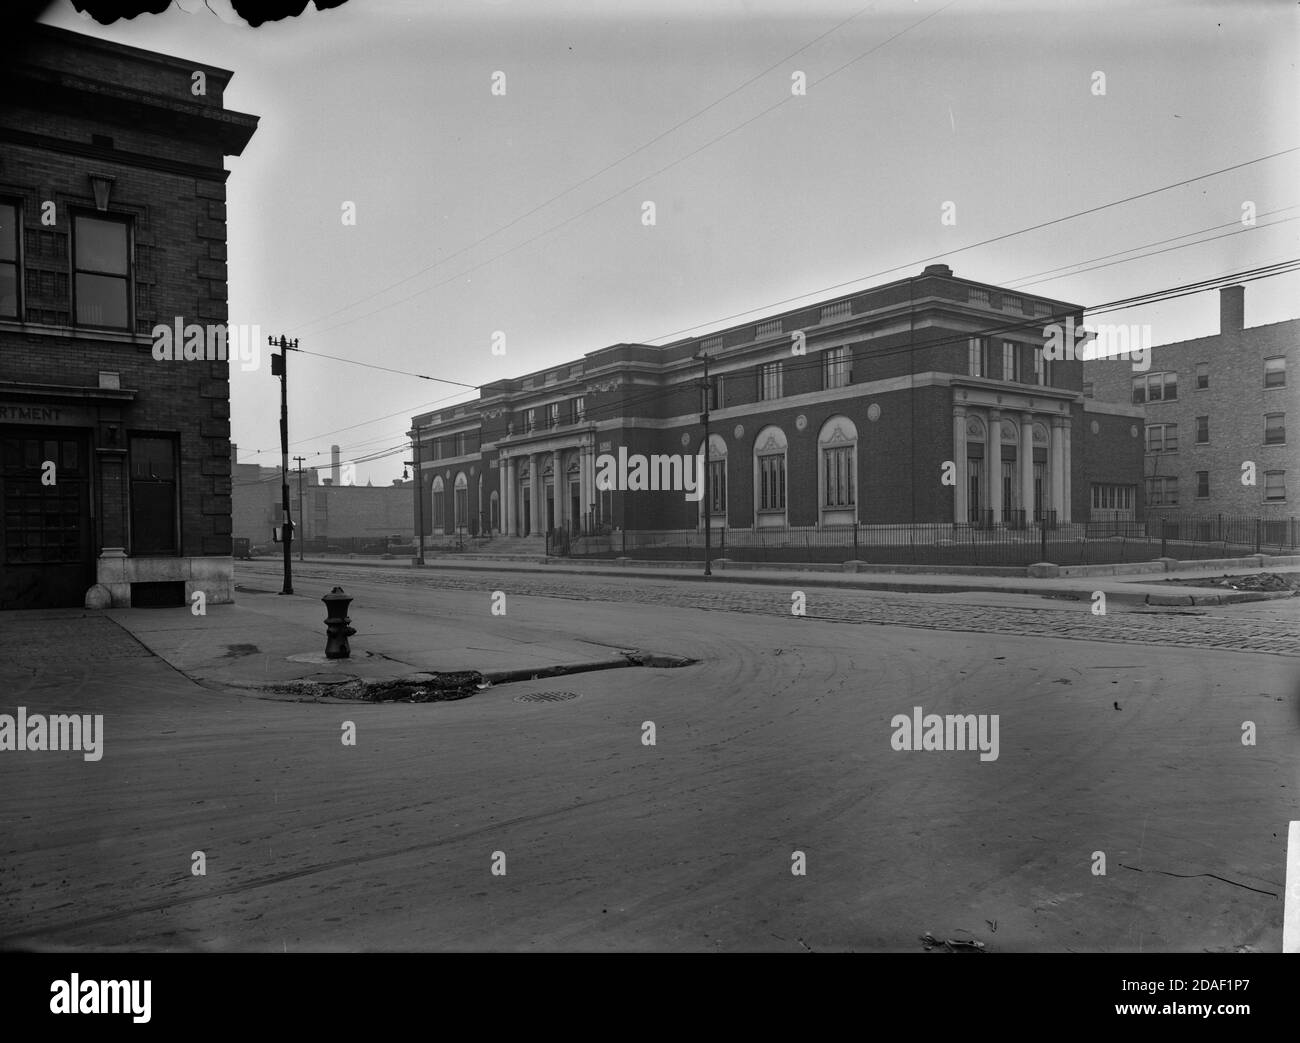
point(739, 432)
point(873, 410)
point(1096, 427)
point(800, 422)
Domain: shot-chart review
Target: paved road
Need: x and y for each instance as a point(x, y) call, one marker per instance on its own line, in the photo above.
point(777, 742)
point(1276, 629)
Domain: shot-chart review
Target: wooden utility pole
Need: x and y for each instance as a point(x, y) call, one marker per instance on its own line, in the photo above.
point(299, 461)
point(280, 368)
point(704, 419)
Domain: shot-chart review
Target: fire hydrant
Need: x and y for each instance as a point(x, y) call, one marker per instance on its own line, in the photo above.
point(336, 624)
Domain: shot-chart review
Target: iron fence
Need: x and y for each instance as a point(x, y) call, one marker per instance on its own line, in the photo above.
point(984, 543)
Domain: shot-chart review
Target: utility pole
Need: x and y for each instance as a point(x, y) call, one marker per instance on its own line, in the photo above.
point(280, 368)
point(301, 514)
point(419, 498)
point(704, 419)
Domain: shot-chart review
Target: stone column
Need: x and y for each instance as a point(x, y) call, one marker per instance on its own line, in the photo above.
point(959, 505)
point(561, 480)
point(539, 491)
point(1067, 500)
point(503, 483)
point(993, 447)
point(1025, 459)
point(1058, 467)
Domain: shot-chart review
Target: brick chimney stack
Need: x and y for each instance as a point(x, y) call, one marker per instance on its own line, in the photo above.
point(1232, 308)
point(334, 465)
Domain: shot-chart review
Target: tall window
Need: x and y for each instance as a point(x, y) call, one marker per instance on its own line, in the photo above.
point(439, 506)
point(1202, 430)
point(837, 367)
point(769, 381)
point(1040, 368)
point(1162, 438)
point(717, 486)
point(153, 494)
point(579, 409)
point(975, 356)
point(553, 415)
point(102, 286)
point(462, 501)
point(1010, 361)
point(1275, 429)
point(837, 467)
point(771, 473)
point(1202, 376)
point(1275, 372)
point(1202, 484)
point(8, 261)
point(1274, 486)
point(717, 397)
point(530, 419)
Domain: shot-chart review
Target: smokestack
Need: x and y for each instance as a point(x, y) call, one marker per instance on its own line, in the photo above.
point(1232, 308)
point(334, 465)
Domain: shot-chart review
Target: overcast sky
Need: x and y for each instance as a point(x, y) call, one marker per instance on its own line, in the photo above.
point(763, 197)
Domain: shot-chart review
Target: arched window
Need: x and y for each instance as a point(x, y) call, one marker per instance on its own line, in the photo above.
point(717, 472)
point(837, 471)
point(439, 506)
point(462, 501)
point(770, 477)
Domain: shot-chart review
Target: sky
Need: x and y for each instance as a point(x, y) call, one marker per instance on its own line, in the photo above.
point(523, 212)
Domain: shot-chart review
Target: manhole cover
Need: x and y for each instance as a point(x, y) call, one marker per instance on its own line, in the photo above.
point(545, 697)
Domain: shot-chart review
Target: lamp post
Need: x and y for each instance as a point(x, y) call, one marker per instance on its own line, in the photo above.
point(419, 498)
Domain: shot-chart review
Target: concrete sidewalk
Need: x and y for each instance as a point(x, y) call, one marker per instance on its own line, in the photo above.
point(1145, 584)
point(272, 640)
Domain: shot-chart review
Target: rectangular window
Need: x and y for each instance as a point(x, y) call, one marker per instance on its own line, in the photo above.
point(1274, 486)
point(153, 494)
point(1155, 387)
point(1162, 492)
point(1162, 438)
point(837, 476)
point(771, 471)
point(1275, 372)
point(8, 261)
point(1040, 368)
point(1087, 389)
point(1275, 429)
point(717, 486)
point(1202, 430)
point(1202, 484)
point(975, 356)
point(716, 395)
point(553, 415)
point(1171, 386)
point(1010, 361)
point(837, 367)
point(102, 271)
point(1202, 376)
point(769, 381)
point(530, 419)
point(579, 409)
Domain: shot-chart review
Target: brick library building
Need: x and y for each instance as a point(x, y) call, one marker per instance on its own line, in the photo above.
point(114, 465)
point(925, 400)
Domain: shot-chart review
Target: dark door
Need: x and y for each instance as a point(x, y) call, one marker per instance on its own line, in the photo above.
point(46, 545)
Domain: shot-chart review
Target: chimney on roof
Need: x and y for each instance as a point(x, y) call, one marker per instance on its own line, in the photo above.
point(938, 269)
point(1232, 308)
point(334, 465)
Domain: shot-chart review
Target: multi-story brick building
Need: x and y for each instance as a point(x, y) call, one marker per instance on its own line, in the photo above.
point(1215, 418)
point(114, 464)
point(333, 510)
point(928, 399)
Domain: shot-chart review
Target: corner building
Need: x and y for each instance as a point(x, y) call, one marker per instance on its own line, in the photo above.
point(114, 466)
point(925, 400)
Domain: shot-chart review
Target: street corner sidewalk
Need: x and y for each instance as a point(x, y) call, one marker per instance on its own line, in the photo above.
point(276, 644)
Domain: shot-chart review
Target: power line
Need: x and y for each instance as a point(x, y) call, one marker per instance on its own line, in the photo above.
point(626, 188)
point(982, 242)
point(591, 177)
